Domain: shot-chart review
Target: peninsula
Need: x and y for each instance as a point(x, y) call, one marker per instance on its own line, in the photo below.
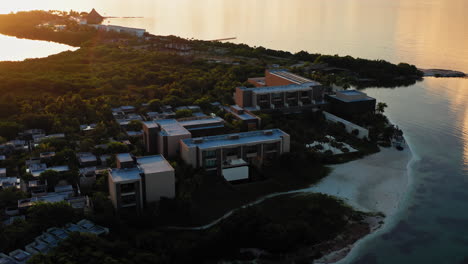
point(138, 133)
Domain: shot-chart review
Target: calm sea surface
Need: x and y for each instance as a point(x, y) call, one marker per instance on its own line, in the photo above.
point(432, 225)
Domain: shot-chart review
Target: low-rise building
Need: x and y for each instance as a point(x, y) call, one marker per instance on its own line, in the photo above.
point(4, 259)
point(86, 159)
point(37, 248)
point(202, 125)
point(9, 182)
point(64, 193)
point(139, 32)
point(136, 182)
point(128, 109)
point(37, 170)
point(3, 172)
point(39, 138)
point(47, 239)
point(249, 120)
point(87, 226)
point(280, 90)
point(58, 233)
point(230, 155)
point(47, 155)
point(20, 256)
point(351, 102)
point(163, 136)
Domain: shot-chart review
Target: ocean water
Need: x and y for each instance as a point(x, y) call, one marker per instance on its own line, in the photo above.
point(432, 223)
point(15, 49)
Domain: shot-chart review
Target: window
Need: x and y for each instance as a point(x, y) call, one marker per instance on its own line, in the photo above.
point(128, 187)
point(128, 199)
point(210, 163)
point(210, 154)
point(251, 149)
point(270, 147)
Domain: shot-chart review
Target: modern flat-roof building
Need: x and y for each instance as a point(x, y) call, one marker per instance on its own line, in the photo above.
point(139, 32)
point(87, 159)
point(20, 256)
point(147, 180)
point(230, 155)
point(202, 125)
point(280, 90)
point(9, 182)
point(37, 169)
point(249, 120)
point(4, 259)
point(351, 102)
point(163, 136)
point(37, 248)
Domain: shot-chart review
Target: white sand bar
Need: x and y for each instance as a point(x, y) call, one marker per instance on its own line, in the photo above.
point(375, 183)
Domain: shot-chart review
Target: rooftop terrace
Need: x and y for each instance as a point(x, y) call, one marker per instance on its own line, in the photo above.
point(292, 77)
point(235, 139)
point(125, 175)
point(352, 96)
point(170, 127)
point(154, 164)
point(283, 88)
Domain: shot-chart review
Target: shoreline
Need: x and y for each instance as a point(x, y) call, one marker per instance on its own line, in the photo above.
point(385, 187)
point(382, 177)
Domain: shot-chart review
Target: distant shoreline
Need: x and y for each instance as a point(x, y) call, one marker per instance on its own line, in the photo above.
point(443, 73)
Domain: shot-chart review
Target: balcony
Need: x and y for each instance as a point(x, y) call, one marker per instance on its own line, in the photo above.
point(127, 193)
point(232, 156)
point(234, 163)
point(252, 154)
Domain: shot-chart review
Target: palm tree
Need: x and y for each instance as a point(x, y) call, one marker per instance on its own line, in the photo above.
point(381, 107)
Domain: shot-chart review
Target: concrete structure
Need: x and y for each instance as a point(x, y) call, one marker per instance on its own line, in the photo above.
point(9, 182)
point(4, 259)
point(163, 136)
point(47, 155)
point(351, 102)
point(87, 226)
point(41, 137)
point(50, 239)
point(61, 194)
point(249, 120)
point(223, 153)
point(202, 125)
point(145, 180)
point(280, 90)
point(86, 159)
point(37, 169)
point(350, 127)
point(139, 32)
point(37, 248)
point(20, 256)
point(47, 239)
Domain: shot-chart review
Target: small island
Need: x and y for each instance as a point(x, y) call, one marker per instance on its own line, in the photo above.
point(178, 151)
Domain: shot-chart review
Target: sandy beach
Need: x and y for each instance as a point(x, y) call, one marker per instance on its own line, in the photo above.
point(375, 183)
